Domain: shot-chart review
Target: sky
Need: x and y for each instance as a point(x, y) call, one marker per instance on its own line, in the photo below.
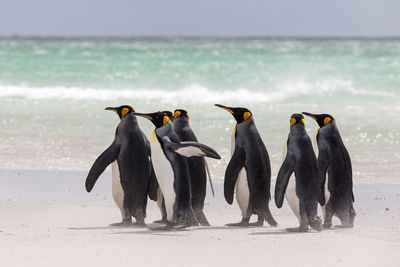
point(361, 18)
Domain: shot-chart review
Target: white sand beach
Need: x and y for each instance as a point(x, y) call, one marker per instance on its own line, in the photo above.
point(47, 219)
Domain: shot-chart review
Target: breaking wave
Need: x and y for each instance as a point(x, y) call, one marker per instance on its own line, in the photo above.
point(194, 93)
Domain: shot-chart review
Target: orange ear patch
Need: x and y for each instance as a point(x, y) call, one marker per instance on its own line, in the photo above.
point(327, 120)
point(246, 115)
point(177, 114)
point(124, 112)
point(165, 120)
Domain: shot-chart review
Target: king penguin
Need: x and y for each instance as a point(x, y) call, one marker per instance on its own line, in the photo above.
point(197, 165)
point(302, 190)
point(334, 159)
point(160, 198)
point(249, 170)
point(133, 177)
point(172, 170)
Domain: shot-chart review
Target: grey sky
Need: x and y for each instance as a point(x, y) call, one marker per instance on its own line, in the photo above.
point(201, 17)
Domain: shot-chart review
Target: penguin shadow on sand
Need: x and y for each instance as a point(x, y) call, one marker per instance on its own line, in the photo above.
point(290, 231)
point(109, 227)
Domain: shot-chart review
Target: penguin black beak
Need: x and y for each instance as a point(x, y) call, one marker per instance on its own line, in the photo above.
point(143, 115)
point(226, 108)
point(312, 116)
point(111, 108)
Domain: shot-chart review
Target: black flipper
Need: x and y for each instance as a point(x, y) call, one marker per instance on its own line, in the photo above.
point(232, 171)
point(101, 163)
point(153, 184)
point(282, 180)
point(190, 149)
point(323, 164)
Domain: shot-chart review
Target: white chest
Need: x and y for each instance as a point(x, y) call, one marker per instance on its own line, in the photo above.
point(241, 186)
point(117, 191)
point(165, 175)
point(292, 198)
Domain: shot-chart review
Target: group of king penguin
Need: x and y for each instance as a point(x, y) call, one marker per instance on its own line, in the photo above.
point(170, 168)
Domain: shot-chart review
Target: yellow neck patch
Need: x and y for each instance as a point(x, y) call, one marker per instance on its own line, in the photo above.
point(327, 120)
point(187, 115)
point(292, 121)
point(165, 120)
point(303, 121)
point(246, 115)
point(124, 112)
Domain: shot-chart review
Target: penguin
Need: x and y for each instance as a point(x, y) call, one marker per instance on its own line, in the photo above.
point(172, 170)
point(133, 177)
point(334, 160)
point(160, 198)
point(301, 191)
point(197, 165)
point(248, 171)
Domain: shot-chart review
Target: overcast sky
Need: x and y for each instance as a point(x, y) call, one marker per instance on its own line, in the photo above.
point(200, 17)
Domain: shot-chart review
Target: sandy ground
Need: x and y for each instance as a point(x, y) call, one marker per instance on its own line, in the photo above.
point(47, 219)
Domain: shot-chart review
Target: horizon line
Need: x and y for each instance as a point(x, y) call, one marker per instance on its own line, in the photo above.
point(211, 37)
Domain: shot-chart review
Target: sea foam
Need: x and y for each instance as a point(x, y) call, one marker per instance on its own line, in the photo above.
point(194, 93)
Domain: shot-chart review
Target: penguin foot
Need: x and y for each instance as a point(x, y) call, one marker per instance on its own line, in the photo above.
point(239, 224)
point(187, 221)
point(167, 227)
point(139, 224)
point(344, 226)
point(316, 223)
point(161, 221)
point(123, 224)
point(256, 224)
point(327, 225)
point(243, 223)
point(297, 229)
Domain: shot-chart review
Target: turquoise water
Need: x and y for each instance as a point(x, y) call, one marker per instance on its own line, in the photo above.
point(53, 94)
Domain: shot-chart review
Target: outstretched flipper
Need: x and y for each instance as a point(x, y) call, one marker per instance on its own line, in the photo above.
point(101, 163)
point(209, 178)
point(283, 179)
point(190, 149)
point(231, 174)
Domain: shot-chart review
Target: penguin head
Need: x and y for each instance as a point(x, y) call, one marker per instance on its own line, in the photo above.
point(321, 119)
point(181, 113)
point(240, 114)
point(159, 119)
point(296, 119)
point(121, 110)
point(169, 114)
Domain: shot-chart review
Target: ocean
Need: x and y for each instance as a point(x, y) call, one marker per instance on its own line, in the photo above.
point(53, 93)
